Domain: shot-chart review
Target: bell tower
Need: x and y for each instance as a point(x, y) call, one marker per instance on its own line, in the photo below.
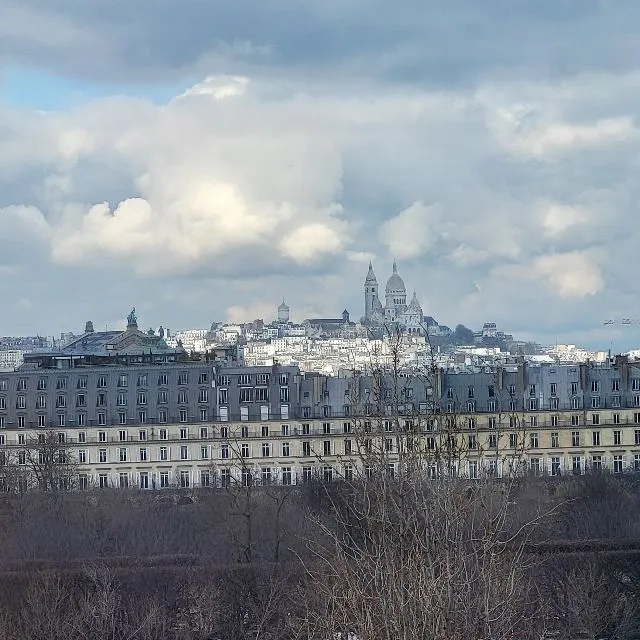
point(370, 292)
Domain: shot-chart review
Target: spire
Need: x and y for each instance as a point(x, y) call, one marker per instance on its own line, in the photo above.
point(371, 276)
point(395, 266)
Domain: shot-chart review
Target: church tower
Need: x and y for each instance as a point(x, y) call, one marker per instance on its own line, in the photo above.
point(370, 293)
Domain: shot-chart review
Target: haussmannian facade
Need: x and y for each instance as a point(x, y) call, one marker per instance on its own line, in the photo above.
point(134, 413)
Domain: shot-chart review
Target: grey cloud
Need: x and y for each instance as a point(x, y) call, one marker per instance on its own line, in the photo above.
point(436, 43)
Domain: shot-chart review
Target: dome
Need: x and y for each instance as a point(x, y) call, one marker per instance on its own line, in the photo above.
point(395, 282)
point(414, 305)
point(283, 307)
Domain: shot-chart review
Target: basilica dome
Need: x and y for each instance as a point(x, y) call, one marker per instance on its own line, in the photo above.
point(395, 284)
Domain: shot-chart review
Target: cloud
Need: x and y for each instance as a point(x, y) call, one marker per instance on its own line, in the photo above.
point(571, 275)
point(412, 232)
point(558, 218)
point(232, 161)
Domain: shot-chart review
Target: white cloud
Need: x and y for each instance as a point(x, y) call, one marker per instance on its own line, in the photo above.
point(263, 309)
point(571, 275)
point(558, 218)
point(412, 232)
point(312, 242)
point(218, 87)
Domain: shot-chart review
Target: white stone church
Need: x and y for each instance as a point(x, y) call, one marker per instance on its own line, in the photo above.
point(395, 311)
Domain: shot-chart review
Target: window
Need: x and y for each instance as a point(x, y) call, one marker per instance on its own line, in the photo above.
point(615, 385)
point(555, 440)
point(553, 388)
point(262, 395)
point(636, 435)
point(616, 418)
point(554, 421)
point(284, 430)
point(595, 402)
point(21, 402)
point(103, 480)
point(471, 406)
point(327, 474)
point(618, 462)
point(555, 466)
point(636, 462)
point(223, 396)
point(121, 399)
point(575, 438)
point(62, 420)
point(163, 397)
point(102, 436)
point(142, 380)
point(266, 449)
point(326, 447)
point(575, 420)
point(122, 436)
point(205, 478)
point(575, 402)
point(184, 452)
point(244, 413)
point(617, 438)
point(123, 454)
point(246, 394)
point(142, 417)
point(492, 405)
point(164, 479)
point(101, 399)
point(595, 418)
point(493, 441)
point(576, 465)
point(470, 392)
point(244, 432)
point(164, 454)
point(162, 416)
point(162, 434)
point(244, 450)
point(533, 421)
point(224, 451)
point(532, 390)
point(203, 395)
point(102, 455)
point(533, 404)
point(306, 449)
point(142, 454)
point(82, 436)
point(534, 466)
point(182, 397)
point(596, 463)
point(595, 438)
point(285, 450)
point(82, 456)
point(513, 440)
point(144, 480)
point(122, 380)
point(595, 386)
point(124, 480)
point(264, 429)
point(492, 423)
point(553, 404)
point(163, 380)
point(183, 378)
point(533, 440)
point(101, 382)
point(326, 428)
point(472, 441)
point(183, 415)
point(42, 420)
point(204, 452)
point(142, 397)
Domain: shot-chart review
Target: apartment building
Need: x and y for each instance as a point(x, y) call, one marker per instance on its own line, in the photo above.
point(134, 413)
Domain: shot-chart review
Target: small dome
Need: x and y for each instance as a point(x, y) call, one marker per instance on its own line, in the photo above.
point(414, 305)
point(283, 307)
point(395, 282)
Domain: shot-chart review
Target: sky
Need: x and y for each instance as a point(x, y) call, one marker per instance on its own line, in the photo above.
point(202, 159)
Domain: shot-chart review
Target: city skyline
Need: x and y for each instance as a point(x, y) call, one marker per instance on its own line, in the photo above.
point(203, 173)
